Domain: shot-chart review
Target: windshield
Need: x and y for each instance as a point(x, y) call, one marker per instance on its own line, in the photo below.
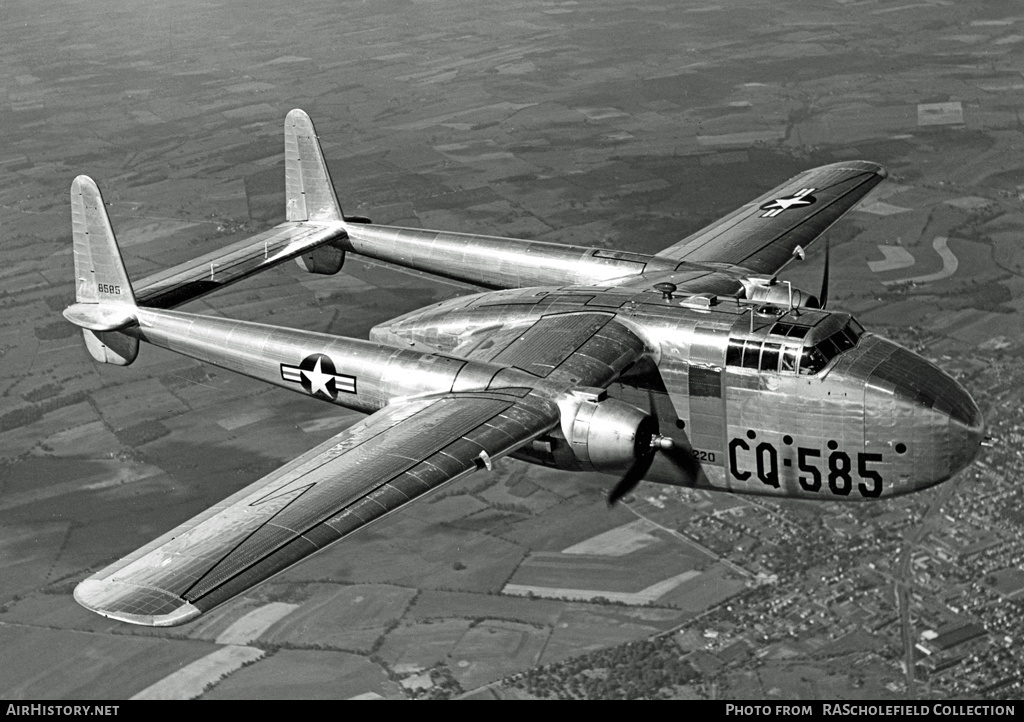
point(815, 358)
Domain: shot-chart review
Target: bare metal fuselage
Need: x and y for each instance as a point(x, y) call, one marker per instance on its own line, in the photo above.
point(874, 420)
point(763, 397)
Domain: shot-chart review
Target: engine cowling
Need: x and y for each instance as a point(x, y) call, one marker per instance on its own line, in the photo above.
point(595, 434)
point(606, 434)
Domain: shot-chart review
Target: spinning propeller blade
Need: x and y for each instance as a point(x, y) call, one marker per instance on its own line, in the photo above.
point(635, 473)
point(823, 296)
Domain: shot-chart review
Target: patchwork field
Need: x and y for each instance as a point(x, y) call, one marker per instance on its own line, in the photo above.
point(599, 124)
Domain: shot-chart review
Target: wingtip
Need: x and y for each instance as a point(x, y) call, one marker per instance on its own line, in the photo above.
point(298, 115)
point(876, 168)
point(866, 166)
point(148, 607)
point(84, 183)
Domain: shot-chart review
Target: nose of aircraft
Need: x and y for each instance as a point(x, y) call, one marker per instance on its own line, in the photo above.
point(934, 426)
point(966, 427)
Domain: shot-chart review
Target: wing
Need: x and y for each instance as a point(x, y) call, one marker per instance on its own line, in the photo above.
point(371, 469)
point(763, 235)
point(584, 349)
point(203, 275)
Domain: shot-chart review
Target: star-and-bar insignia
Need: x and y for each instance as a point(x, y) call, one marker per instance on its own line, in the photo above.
point(802, 197)
point(318, 377)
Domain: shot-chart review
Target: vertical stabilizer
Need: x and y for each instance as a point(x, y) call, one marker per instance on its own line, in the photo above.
point(308, 188)
point(105, 301)
point(99, 270)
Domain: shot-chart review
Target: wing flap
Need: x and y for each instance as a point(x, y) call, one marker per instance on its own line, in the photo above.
point(763, 235)
point(364, 473)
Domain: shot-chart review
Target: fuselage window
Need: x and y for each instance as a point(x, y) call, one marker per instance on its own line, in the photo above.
point(734, 352)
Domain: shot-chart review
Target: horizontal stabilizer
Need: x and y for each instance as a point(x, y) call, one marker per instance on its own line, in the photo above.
point(314, 222)
point(101, 316)
point(190, 280)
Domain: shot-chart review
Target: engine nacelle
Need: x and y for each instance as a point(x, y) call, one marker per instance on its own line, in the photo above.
point(606, 434)
point(768, 290)
point(596, 434)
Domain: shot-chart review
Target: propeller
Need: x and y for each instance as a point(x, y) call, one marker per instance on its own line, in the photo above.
point(635, 474)
point(823, 296)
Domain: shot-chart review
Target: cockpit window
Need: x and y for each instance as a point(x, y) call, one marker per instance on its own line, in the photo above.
point(770, 356)
point(815, 358)
point(788, 329)
point(745, 354)
point(764, 356)
point(790, 357)
point(751, 354)
point(812, 361)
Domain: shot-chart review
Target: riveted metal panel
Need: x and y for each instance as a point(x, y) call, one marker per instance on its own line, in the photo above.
point(489, 261)
point(707, 411)
point(705, 382)
point(548, 343)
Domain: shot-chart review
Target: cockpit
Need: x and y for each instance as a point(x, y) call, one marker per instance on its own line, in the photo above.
point(795, 348)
